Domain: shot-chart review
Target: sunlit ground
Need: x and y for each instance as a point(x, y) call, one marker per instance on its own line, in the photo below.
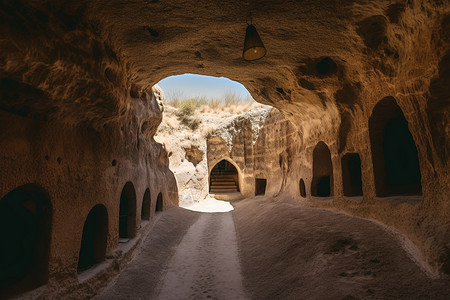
point(210, 205)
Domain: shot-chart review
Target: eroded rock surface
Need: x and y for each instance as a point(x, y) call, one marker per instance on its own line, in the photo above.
point(78, 111)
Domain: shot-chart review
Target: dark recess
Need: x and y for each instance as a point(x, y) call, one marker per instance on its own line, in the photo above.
point(260, 186)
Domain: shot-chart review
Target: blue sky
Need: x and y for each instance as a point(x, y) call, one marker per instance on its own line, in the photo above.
point(191, 85)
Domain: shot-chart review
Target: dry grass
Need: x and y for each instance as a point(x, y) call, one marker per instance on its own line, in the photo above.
point(230, 103)
point(189, 109)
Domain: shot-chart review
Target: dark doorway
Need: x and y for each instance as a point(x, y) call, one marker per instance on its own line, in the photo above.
point(93, 242)
point(322, 182)
point(260, 186)
point(127, 212)
point(302, 188)
point(394, 153)
point(25, 230)
point(145, 211)
point(351, 174)
point(159, 203)
point(224, 178)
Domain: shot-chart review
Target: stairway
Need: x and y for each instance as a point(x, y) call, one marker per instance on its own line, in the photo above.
point(223, 181)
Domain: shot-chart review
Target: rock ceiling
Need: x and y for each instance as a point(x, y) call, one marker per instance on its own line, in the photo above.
point(84, 61)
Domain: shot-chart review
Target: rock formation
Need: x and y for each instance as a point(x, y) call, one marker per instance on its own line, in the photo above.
point(360, 81)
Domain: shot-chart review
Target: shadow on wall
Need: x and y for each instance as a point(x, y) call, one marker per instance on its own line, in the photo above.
point(322, 182)
point(127, 213)
point(25, 229)
point(394, 153)
point(93, 242)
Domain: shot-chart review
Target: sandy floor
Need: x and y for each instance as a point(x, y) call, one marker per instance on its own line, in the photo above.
point(206, 264)
point(289, 251)
point(210, 204)
point(141, 278)
point(286, 251)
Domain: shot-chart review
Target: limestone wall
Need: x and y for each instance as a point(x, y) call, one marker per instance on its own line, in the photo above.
point(420, 216)
point(78, 116)
point(79, 167)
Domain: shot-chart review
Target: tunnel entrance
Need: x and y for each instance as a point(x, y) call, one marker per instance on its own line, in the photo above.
point(159, 203)
point(302, 188)
point(394, 153)
point(145, 210)
point(322, 183)
point(25, 228)
point(127, 212)
point(93, 242)
point(260, 186)
point(224, 178)
point(351, 174)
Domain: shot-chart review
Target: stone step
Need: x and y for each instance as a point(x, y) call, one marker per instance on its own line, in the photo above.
point(223, 191)
point(223, 184)
point(226, 188)
point(222, 180)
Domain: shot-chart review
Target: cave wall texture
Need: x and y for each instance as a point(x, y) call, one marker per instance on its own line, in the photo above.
point(78, 113)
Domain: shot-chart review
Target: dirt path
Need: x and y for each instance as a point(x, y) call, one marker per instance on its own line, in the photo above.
point(187, 255)
point(141, 277)
point(286, 251)
point(206, 264)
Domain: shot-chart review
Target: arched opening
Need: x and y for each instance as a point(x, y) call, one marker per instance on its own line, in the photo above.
point(302, 188)
point(93, 242)
point(224, 178)
point(394, 153)
point(351, 174)
point(322, 182)
point(25, 229)
point(127, 212)
point(159, 203)
point(145, 211)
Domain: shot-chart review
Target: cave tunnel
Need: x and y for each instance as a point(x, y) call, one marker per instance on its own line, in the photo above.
point(224, 178)
point(145, 210)
point(127, 212)
point(394, 152)
point(351, 174)
point(322, 182)
point(93, 242)
point(25, 228)
point(81, 116)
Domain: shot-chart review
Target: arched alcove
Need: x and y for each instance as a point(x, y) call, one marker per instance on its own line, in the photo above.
point(302, 188)
point(351, 174)
point(93, 241)
point(224, 178)
point(127, 212)
point(394, 153)
point(25, 230)
point(159, 203)
point(145, 211)
point(322, 182)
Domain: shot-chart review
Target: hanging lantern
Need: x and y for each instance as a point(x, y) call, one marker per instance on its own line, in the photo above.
point(253, 46)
